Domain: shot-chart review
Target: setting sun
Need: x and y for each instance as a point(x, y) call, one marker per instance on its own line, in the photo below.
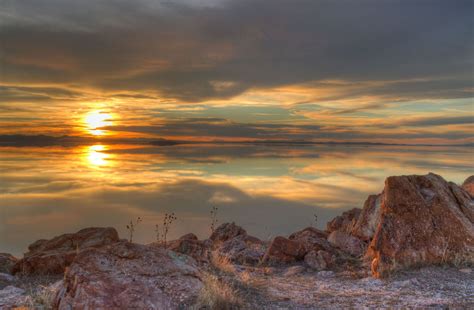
point(97, 119)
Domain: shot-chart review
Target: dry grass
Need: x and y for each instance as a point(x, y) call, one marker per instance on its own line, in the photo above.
point(222, 263)
point(217, 294)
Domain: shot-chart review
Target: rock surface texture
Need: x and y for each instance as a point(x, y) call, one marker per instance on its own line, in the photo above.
point(468, 185)
point(129, 276)
point(283, 251)
point(421, 220)
point(344, 222)
point(54, 255)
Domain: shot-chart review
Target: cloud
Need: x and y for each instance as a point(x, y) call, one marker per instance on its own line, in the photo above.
point(221, 49)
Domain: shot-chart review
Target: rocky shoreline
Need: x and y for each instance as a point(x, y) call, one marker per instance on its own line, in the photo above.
point(410, 246)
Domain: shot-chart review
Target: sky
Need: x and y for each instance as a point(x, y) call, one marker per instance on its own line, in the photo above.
point(238, 70)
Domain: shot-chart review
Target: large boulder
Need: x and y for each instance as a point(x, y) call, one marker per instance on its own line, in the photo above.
point(421, 220)
point(225, 232)
point(468, 185)
point(7, 261)
point(129, 276)
point(54, 255)
point(344, 222)
point(347, 243)
point(283, 251)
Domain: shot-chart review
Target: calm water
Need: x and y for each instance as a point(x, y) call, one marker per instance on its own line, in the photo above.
point(268, 190)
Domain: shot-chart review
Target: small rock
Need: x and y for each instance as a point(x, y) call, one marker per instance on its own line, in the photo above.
point(318, 260)
point(283, 251)
point(7, 261)
point(325, 274)
point(347, 243)
point(227, 231)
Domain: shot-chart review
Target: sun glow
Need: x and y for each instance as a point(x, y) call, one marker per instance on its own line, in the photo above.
point(95, 120)
point(96, 156)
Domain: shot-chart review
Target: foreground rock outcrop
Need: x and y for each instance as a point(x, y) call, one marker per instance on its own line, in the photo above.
point(419, 220)
point(54, 255)
point(129, 276)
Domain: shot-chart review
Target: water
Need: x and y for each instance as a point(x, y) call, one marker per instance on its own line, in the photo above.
point(269, 190)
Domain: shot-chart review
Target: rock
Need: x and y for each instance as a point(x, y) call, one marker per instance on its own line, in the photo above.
point(347, 243)
point(312, 239)
point(7, 261)
point(129, 276)
point(369, 218)
point(52, 256)
point(468, 185)
point(319, 260)
point(227, 231)
point(344, 222)
point(325, 274)
point(423, 220)
point(243, 250)
point(282, 251)
point(12, 297)
point(195, 248)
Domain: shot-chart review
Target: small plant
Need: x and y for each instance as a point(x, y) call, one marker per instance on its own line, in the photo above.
point(167, 221)
point(131, 227)
point(157, 233)
point(214, 218)
point(315, 220)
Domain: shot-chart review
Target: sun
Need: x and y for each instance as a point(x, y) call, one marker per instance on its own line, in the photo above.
point(95, 120)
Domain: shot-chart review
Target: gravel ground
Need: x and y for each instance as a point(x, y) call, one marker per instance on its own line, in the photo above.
point(295, 288)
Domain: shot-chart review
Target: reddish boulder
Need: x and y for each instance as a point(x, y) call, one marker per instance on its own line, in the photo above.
point(129, 276)
point(344, 222)
point(468, 185)
point(312, 239)
point(7, 261)
point(54, 255)
point(422, 220)
point(226, 231)
point(347, 243)
point(283, 250)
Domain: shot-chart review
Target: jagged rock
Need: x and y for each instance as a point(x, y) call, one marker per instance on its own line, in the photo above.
point(347, 243)
point(319, 260)
point(243, 250)
point(283, 250)
point(52, 256)
point(6, 278)
point(344, 222)
point(7, 261)
point(368, 219)
point(423, 220)
point(226, 231)
point(312, 239)
point(468, 185)
point(129, 276)
point(12, 297)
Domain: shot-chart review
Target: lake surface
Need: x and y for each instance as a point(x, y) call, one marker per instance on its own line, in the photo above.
point(269, 190)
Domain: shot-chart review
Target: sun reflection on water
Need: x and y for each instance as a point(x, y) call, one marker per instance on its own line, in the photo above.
point(96, 156)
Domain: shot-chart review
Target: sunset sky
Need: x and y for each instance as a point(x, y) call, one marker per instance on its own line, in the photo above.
point(376, 71)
